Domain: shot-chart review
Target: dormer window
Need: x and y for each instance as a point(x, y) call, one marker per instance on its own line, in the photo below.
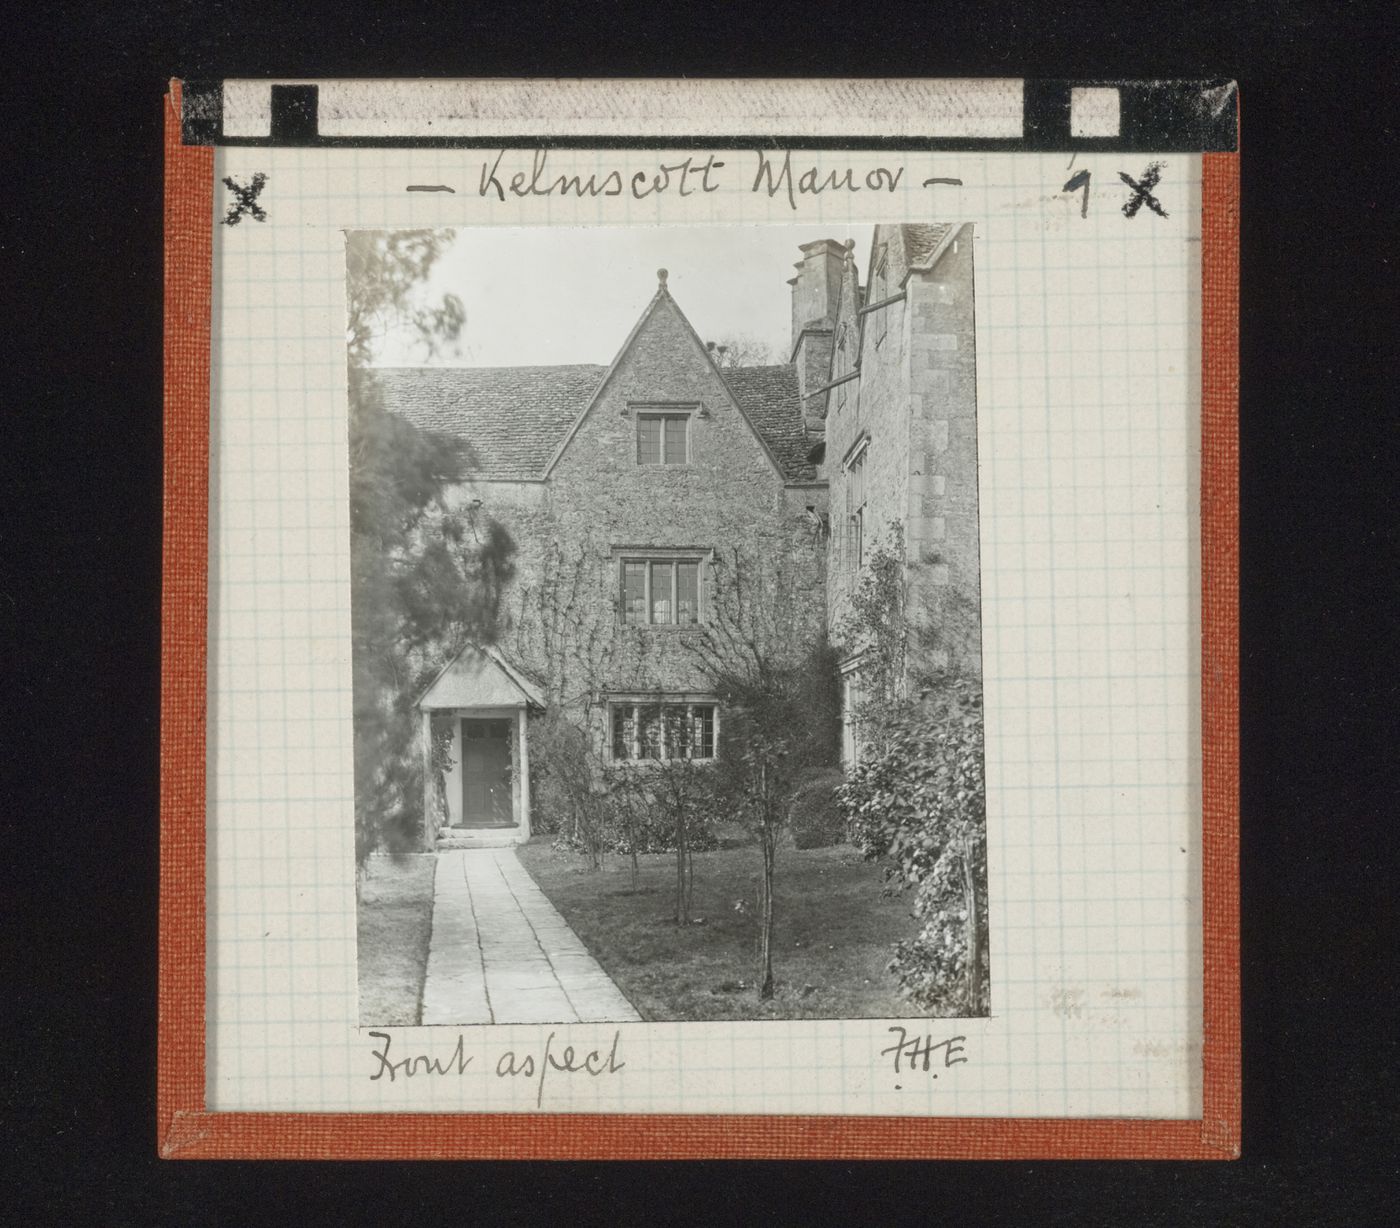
point(663, 438)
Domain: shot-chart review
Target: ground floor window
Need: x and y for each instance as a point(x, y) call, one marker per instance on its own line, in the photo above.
point(852, 697)
point(662, 729)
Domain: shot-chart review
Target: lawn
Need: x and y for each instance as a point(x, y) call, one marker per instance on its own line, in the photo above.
point(834, 932)
point(395, 923)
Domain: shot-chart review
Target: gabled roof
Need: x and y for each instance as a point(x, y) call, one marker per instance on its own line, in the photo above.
point(769, 396)
point(904, 246)
point(480, 677)
point(493, 422)
point(509, 423)
point(662, 298)
point(922, 240)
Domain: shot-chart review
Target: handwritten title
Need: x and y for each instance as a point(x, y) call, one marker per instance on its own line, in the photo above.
point(538, 1066)
point(513, 1064)
point(775, 175)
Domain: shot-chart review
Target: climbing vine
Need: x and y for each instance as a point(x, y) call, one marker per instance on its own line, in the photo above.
point(915, 798)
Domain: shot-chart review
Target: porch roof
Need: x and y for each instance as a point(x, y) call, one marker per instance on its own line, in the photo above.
point(480, 677)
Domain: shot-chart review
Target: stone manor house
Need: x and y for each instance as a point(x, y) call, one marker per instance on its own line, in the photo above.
point(666, 506)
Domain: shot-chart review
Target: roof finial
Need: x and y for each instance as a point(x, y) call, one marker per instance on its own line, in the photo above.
point(661, 277)
point(850, 249)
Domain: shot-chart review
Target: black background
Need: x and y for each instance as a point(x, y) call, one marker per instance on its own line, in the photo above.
point(80, 479)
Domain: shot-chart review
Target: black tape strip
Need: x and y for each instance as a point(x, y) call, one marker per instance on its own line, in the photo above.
point(1045, 116)
point(1178, 116)
point(1155, 116)
point(294, 115)
point(202, 113)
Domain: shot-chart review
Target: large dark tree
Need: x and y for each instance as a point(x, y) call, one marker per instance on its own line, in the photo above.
point(423, 580)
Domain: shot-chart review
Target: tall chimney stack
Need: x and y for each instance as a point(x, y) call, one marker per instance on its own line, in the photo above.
point(816, 290)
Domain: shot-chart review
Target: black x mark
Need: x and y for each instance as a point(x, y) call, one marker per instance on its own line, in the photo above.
point(247, 200)
point(1142, 191)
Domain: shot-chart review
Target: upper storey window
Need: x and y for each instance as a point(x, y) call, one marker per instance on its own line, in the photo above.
point(842, 366)
point(855, 503)
point(663, 439)
point(879, 291)
point(661, 591)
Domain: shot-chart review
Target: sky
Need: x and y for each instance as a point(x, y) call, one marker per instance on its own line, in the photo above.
point(543, 296)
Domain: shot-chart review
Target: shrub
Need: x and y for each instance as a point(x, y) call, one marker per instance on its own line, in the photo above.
point(646, 808)
point(564, 785)
point(918, 799)
point(816, 815)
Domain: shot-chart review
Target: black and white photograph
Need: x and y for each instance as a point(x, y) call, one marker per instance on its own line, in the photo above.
point(666, 624)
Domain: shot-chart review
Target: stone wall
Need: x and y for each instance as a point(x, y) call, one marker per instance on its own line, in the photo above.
point(765, 550)
point(916, 402)
point(942, 537)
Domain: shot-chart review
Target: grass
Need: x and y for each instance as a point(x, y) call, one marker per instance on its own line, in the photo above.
point(395, 923)
point(834, 932)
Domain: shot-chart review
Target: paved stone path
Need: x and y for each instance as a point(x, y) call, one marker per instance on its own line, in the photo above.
point(501, 953)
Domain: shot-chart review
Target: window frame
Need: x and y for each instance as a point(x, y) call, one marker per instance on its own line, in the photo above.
point(661, 703)
point(852, 697)
point(661, 413)
point(649, 557)
point(879, 291)
point(842, 365)
point(854, 471)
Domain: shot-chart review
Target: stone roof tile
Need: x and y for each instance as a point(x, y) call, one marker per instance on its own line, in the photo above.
point(770, 398)
point(921, 239)
point(506, 422)
point(496, 422)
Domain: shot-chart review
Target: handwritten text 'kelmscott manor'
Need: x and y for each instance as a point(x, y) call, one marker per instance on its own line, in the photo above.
point(506, 175)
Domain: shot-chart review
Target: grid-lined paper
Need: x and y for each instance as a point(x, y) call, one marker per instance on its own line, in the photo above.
point(1088, 419)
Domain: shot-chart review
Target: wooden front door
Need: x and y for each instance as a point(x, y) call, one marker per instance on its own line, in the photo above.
point(486, 791)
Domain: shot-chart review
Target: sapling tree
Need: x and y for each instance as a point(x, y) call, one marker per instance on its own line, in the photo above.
point(680, 788)
point(776, 679)
point(740, 350)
